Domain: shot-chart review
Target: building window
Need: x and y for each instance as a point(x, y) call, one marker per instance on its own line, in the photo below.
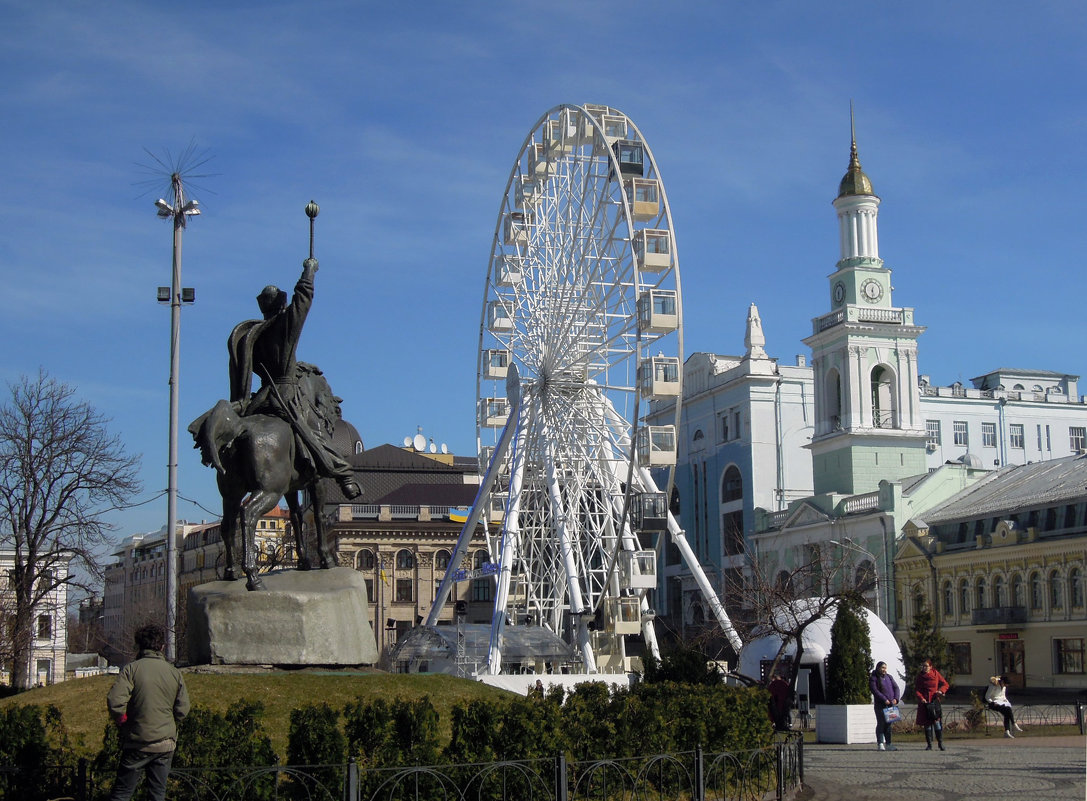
point(371, 597)
point(732, 485)
point(404, 559)
point(960, 658)
point(1068, 655)
point(366, 559)
point(961, 436)
point(1056, 597)
point(933, 428)
point(1077, 436)
point(732, 524)
point(949, 599)
point(988, 435)
point(723, 425)
point(1000, 596)
point(481, 589)
point(1075, 587)
point(1019, 591)
point(1016, 437)
point(1035, 591)
point(45, 627)
point(980, 593)
point(441, 560)
point(405, 590)
point(964, 597)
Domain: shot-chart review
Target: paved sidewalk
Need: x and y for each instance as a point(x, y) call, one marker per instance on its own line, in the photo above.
point(994, 769)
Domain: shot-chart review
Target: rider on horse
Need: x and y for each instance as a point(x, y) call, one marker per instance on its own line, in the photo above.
point(267, 347)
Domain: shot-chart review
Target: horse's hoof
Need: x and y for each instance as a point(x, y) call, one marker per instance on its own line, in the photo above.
point(254, 585)
point(229, 575)
point(303, 564)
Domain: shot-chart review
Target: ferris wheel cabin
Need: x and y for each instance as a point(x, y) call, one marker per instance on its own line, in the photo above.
point(653, 249)
point(643, 195)
point(657, 311)
point(657, 446)
point(658, 377)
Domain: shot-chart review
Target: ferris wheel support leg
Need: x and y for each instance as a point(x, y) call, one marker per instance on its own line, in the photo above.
point(648, 632)
point(510, 533)
point(465, 538)
point(573, 582)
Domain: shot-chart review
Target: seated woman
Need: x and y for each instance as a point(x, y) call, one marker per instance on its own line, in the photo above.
point(996, 698)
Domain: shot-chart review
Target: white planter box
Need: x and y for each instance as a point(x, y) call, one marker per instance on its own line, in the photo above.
point(854, 723)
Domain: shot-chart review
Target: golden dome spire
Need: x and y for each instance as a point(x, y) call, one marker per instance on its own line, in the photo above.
point(855, 182)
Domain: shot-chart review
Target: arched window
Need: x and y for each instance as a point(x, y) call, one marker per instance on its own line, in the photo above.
point(441, 560)
point(964, 597)
point(481, 587)
point(784, 582)
point(1019, 591)
point(1075, 587)
point(883, 398)
point(732, 485)
point(1000, 595)
point(979, 593)
point(834, 400)
point(365, 559)
point(949, 599)
point(918, 598)
point(404, 559)
point(1056, 596)
point(1035, 591)
point(864, 577)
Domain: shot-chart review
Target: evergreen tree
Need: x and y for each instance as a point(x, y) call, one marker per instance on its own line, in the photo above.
point(924, 641)
point(850, 661)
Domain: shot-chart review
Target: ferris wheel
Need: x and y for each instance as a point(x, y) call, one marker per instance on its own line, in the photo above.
point(580, 344)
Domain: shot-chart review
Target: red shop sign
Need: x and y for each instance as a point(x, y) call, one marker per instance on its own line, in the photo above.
point(1012, 636)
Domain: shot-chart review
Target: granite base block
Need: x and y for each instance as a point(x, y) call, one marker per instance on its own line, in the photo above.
point(314, 617)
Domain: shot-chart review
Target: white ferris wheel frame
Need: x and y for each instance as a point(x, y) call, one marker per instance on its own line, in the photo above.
point(561, 302)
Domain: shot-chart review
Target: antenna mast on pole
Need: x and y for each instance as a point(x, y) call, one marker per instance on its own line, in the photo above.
point(179, 211)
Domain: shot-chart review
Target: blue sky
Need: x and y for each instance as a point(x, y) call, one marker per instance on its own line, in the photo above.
point(403, 120)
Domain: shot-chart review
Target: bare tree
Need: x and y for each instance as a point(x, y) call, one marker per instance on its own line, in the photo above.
point(61, 471)
point(786, 601)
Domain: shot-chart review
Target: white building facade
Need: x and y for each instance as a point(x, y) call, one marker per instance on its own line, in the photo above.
point(49, 643)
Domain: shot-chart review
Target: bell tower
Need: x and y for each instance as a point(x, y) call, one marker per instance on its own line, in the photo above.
point(864, 357)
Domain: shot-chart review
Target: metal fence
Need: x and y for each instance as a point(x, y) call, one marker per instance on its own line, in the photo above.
point(775, 772)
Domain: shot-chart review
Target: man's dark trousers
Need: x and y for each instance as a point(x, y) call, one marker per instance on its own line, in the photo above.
point(156, 766)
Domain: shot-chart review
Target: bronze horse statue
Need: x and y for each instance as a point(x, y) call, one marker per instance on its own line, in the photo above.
point(258, 460)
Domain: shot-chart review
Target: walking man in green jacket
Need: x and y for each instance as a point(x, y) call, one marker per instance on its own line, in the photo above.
point(147, 702)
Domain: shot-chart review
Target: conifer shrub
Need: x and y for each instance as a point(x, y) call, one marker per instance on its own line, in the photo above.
point(849, 663)
point(34, 741)
point(316, 741)
point(924, 641)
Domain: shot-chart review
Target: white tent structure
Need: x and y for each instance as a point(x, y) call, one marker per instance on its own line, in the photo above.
point(816, 638)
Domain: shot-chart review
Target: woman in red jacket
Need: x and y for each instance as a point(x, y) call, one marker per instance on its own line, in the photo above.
point(930, 687)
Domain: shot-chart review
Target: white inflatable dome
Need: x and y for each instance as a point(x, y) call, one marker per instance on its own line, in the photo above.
point(817, 646)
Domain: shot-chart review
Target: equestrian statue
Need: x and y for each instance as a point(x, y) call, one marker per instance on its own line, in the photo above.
point(274, 442)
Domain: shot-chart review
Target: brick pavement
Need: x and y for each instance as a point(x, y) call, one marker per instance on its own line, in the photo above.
point(992, 768)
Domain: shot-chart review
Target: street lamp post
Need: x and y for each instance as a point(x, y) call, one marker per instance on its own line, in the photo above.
point(179, 211)
point(848, 542)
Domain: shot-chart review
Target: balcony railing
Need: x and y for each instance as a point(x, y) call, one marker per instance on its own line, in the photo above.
point(999, 615)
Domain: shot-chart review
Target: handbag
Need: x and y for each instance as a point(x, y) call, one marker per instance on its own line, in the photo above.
point(934, 709)
point(891, 714)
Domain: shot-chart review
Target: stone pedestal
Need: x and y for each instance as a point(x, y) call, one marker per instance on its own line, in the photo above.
point(314, 617)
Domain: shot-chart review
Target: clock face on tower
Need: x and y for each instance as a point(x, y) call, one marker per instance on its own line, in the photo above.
point(871, 290)
point(839, 292)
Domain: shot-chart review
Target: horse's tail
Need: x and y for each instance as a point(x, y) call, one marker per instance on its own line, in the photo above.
point(214, 430)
